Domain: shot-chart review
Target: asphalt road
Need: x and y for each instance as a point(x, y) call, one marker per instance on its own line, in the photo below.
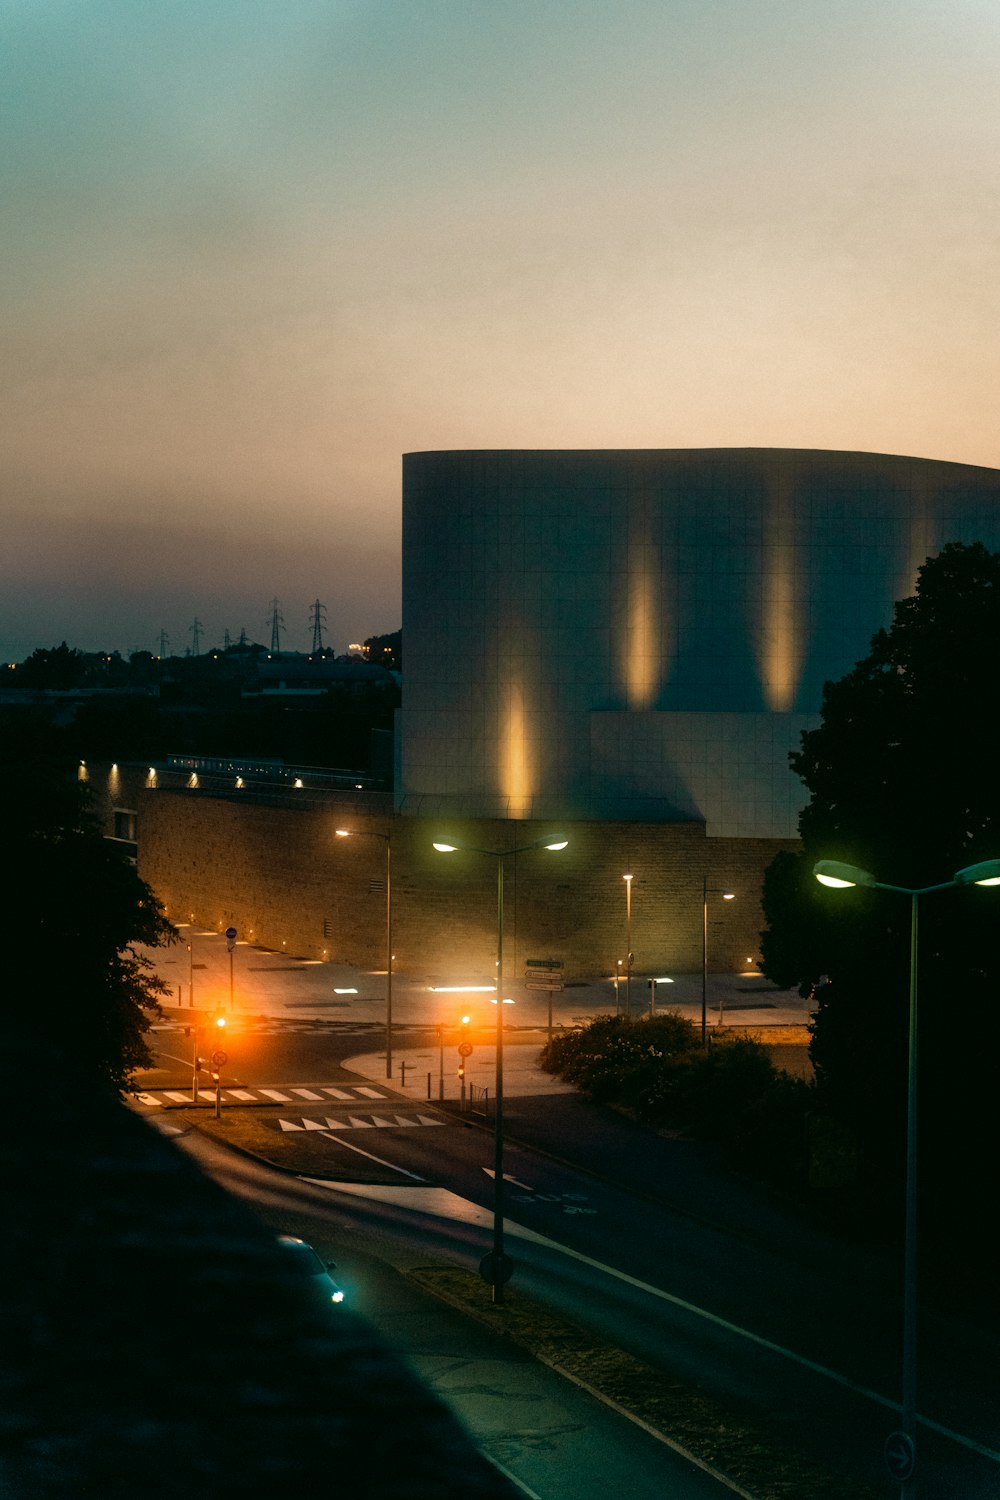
point(715, 1284)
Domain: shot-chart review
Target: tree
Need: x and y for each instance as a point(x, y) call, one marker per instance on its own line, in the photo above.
point(75, 914)
point(57, 667)
point(903, 780)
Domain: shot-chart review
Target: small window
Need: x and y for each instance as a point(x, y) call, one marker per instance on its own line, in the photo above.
point(125, 825)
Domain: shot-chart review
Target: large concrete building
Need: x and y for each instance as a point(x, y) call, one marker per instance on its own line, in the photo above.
point(621, 647)
point(644, 634)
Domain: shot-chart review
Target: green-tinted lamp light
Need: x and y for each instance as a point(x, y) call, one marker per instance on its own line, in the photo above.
point(561, 844)
point(987, 872)
point(446, 848)
point(831, 872)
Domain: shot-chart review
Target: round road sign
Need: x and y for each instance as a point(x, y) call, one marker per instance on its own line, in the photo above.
point(465, 1049)
point(230, 933)
point(496, 1270)
point(219, 1059)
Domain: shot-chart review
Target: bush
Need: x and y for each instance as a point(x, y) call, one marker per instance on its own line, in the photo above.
point(732, 1095)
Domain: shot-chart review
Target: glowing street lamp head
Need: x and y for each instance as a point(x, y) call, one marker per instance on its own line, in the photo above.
point(832, 873)
point(729, 895)
point(987, 872)
point(342, 833)
point(446, 848)
point(559, 844)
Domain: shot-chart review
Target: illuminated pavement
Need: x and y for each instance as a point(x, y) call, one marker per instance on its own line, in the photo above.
point(274, 984)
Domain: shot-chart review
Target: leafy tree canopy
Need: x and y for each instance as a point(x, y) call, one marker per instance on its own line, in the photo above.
point(903, 782)
point(76, 914)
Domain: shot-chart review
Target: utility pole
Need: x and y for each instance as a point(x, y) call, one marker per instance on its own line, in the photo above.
point(277, 620)
point(317, 619)
point(196, 630)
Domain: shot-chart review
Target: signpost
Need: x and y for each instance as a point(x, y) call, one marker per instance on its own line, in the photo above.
point(231, 944)
point(543, 974)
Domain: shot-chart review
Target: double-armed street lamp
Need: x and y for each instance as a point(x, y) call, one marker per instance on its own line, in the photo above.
point(371, 833)
point(497, 1266)
point(901, 1449)
point(706, 891)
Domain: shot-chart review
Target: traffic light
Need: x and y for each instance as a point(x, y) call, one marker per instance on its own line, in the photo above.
point(199, 1063)
point(220, 1021)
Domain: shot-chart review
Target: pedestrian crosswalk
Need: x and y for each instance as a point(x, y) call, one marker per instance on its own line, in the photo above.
point(360, 1122)
point(318, 1093)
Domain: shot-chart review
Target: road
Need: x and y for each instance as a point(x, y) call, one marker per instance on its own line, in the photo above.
point(800, 1333)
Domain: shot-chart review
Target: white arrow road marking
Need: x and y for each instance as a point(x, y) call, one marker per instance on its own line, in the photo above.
point(490, 1173)
point(426, 1120)
point(314, 1125)
point(359, 1124)
point(382, 1124)
point(402, 1120)
point(289, 1125)
point(336, 1124)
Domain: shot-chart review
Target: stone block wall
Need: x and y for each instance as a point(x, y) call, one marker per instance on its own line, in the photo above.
point(281, 876)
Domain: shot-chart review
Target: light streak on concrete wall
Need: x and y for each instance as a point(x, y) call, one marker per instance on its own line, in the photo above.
point(781, 625)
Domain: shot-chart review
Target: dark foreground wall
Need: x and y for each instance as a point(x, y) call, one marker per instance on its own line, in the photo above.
point(151, 1348)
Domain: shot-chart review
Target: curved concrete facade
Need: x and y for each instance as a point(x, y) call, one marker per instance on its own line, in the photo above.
point(643, 634)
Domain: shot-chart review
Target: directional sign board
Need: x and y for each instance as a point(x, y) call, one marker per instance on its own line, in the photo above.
point(543, 963)
point(554, 986)
point(900, 1455)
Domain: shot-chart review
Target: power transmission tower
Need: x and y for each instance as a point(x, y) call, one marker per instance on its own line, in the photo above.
point(226, 640)
point(317, 619)
point(196, 630)
point(277, 620)
point(164, 643)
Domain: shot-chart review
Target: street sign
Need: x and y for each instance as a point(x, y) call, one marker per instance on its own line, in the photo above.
point(231, 933)
point(496, 1270)
point(554, 986)
point(219, 1059)
point(543, 963)
point(900, 1454)
point(465, 1049)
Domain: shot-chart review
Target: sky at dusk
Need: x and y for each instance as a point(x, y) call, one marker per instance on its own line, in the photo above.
point(254, 251)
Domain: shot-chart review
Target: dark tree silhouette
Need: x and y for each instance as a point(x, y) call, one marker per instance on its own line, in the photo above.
point(75, 911)
point(903, 779)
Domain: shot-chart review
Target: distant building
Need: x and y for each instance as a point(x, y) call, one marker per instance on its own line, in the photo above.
point(644, 634)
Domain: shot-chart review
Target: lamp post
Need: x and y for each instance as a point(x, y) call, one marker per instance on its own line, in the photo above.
point(629, 955)
point(706, 891)
point(839, 876)
point(346, 833)
point(497, 1264)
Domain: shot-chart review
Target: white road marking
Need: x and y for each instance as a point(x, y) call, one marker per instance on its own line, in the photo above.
point(178, 1098)
point(370, 1093)
point(371, 1157)
point(426, 1120)
point(336, 1124)
point(382, 1124)
point(306, 1094)
point(149, 1100)
point(277, 1096)
point(290, 1125)
point(358, 1124)
point(243, 1094)
point(338, 1093)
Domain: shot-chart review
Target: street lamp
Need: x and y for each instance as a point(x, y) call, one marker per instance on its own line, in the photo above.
point(629, 955)
point(498, 1263)
point(369, 833)
point(840, 876)
point(706, 891)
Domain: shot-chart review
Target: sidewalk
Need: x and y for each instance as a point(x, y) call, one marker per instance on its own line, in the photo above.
point(269, 983)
